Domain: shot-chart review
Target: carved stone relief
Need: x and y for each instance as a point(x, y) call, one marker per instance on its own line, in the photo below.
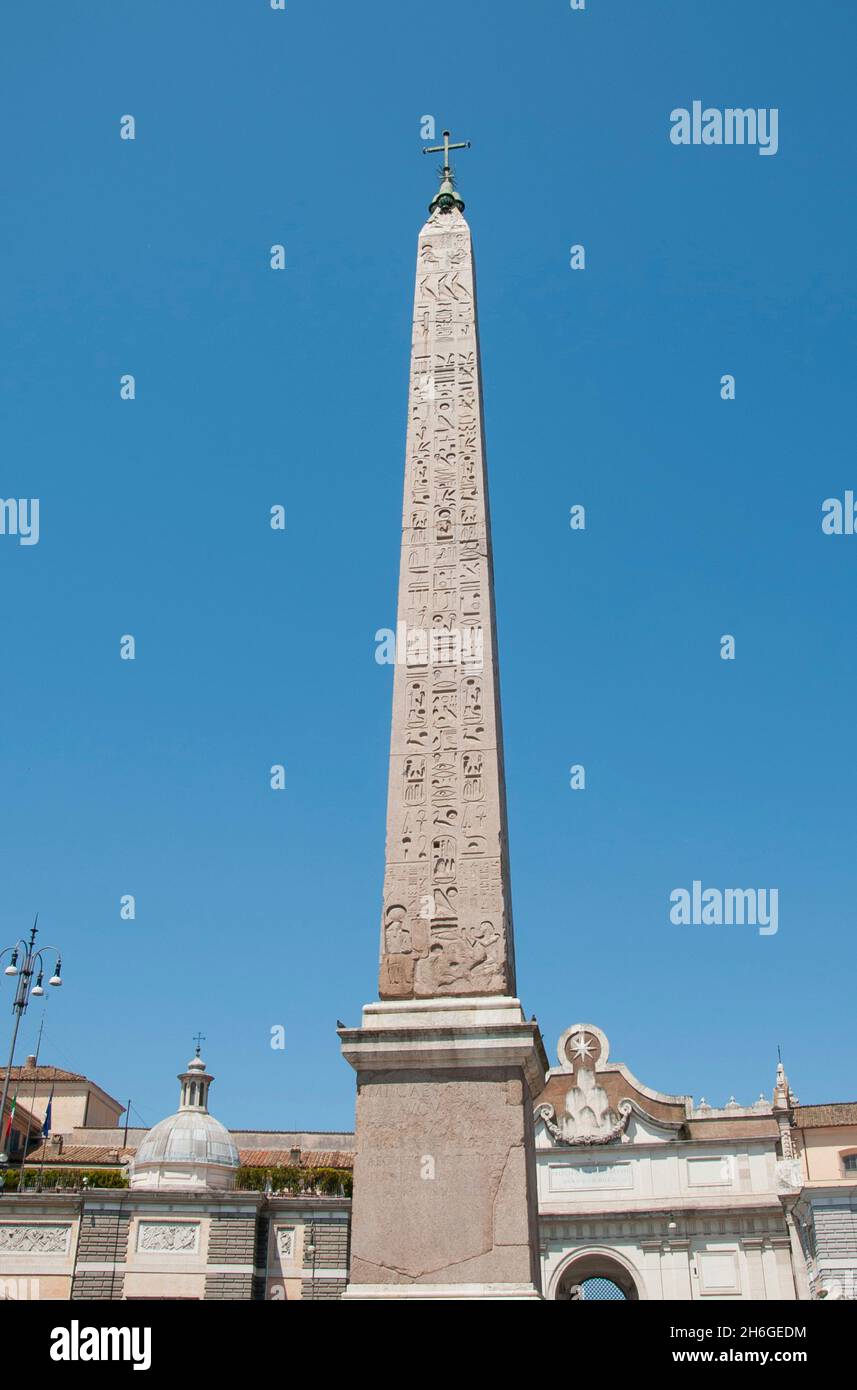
point(588, 1117)
point(286, 1243)
point(19, 1239)
point(446, 926)
point(180, 1237)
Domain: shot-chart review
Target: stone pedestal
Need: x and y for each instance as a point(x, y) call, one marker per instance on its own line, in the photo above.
point(444, 1178)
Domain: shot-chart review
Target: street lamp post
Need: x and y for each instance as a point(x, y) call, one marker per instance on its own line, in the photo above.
point(32, 964)
point(310, 1250)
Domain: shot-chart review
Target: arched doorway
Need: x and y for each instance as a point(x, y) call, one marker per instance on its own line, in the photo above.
point(596, 1275)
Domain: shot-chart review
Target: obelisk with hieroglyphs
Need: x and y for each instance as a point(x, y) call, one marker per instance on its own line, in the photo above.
point(447, 1065)
point(446, 924)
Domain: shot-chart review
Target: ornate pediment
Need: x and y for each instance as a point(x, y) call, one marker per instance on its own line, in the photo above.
point(589, 1099)
point(587, 1117)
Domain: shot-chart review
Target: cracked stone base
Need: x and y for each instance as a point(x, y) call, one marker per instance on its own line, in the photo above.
point(444, 1177)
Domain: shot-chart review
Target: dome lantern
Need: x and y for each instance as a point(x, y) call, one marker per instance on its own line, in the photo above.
point(194, 1085)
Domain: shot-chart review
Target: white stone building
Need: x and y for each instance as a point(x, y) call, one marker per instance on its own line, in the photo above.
point(641, 1195)
point(654, 1198)
point(167, 1216)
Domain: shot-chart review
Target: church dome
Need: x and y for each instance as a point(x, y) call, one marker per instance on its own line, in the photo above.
point(187, 1137)
point(190, 1148)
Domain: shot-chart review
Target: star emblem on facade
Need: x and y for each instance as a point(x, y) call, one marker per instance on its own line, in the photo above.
point(582, 1047)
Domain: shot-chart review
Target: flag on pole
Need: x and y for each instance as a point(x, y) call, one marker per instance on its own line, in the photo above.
point(46, 1125)
point(10, 1119)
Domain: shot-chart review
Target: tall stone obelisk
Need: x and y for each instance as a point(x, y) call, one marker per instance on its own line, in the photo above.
point(444, 1180)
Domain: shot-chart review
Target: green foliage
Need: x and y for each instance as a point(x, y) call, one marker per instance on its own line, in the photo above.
point(328, 1182)
point(53, 1178)
point(331, 1182)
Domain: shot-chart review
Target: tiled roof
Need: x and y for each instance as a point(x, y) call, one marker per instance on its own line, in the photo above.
point(41, 1073)
point(310, 1158)
point(82, 1155)
point(815, 1116)
point(742, 1127)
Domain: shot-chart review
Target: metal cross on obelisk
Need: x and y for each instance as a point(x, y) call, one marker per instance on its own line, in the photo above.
point(445, 149)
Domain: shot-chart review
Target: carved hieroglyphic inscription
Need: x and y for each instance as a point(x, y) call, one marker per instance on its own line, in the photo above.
point(446, 924)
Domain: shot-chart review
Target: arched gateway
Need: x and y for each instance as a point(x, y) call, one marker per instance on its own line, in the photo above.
point(595, 1274)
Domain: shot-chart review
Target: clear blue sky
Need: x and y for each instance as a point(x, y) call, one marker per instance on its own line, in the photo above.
point(257, 908)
